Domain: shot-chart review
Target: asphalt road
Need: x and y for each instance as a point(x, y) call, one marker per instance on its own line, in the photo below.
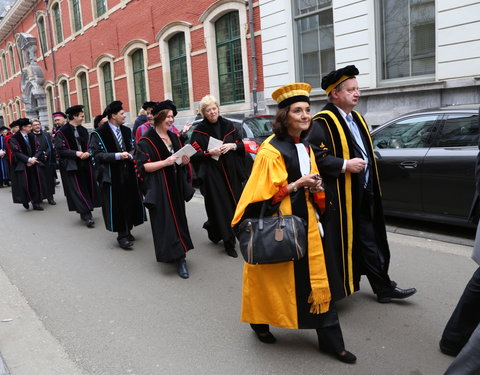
point(74, 303)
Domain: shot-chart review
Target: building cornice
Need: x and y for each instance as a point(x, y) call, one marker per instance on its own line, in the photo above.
point(13, 17)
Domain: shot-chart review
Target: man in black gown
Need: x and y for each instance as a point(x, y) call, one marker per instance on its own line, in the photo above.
point(78, 177)
point(112, 147)
point(354, 224)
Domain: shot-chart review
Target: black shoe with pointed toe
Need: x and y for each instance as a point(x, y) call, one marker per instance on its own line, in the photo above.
point(182, 268)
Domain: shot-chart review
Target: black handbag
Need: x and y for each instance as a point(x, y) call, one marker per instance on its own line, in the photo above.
point(272, 239)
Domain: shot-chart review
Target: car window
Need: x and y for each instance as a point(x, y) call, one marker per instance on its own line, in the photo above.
point(459, 130)
point(413, 132)
point(247, 133)
point(259, 127)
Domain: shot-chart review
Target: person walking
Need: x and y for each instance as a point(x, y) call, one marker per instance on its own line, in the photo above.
point(28, 180)
point(165, 188)
point(112, 148)
point(76, 170)
point(294, 294)
point(220, 170)
point(355, 234)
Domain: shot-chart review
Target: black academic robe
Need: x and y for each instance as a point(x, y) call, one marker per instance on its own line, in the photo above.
point(332, 142)
point(28, 182)
point(46, 145)
point(122, 205)
point(221, 182)
point(78, 176)
point(165, 192)
point(4, 165)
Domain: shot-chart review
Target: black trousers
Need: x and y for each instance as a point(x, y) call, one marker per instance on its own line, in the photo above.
point(465, 318)
point(330, 336)
point(372, 259)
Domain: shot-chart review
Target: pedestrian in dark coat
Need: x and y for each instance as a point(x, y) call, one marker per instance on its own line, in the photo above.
point(4, 164)
point(112, 149)
point(355, 234)
point(50, 164)
point(28, 180)
point(164, 185)
point(221, 171)
point(76, 169)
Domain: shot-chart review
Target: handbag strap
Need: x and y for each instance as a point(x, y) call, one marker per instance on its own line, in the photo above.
point(262, 214)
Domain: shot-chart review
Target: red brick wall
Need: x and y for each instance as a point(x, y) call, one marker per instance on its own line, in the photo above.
point(138, 20)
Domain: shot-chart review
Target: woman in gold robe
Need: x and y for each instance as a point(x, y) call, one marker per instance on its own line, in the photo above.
point(293, 294)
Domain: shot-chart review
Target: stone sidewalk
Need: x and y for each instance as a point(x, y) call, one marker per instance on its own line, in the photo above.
point(26, 347)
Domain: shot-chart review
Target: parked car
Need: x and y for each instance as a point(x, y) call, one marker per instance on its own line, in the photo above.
point(254, 131)
point(426, 162)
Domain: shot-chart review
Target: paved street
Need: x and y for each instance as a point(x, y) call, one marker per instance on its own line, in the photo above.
point(80, 305)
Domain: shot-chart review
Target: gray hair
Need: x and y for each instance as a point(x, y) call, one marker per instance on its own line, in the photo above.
point(206, 101)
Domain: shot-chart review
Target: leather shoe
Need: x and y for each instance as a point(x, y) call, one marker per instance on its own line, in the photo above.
point(182, 268)
point(51, 202)
point(231, 252)
point(346, 357)
point(130, 237)
point(453, 352)
point(125, 244)
point(396, 293)
point(37, 207)
point(266, 337)
point(90, 223)
point(26, 205)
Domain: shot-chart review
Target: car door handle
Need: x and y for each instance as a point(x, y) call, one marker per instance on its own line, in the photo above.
point(409, 164)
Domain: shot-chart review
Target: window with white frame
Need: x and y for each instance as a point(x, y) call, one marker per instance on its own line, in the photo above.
point(107, 79)
point(407, 38)
point(42, 34)
point(18, 108)
point(178, 71)
point(57, 23)
point(64, 94)
point(4, 66)
point(50, 100)
point(76, 15)
point(315, 49)
point(12, 60)
point(100, 7)
point(138, 72)
point(21, 62)
point(83, 93)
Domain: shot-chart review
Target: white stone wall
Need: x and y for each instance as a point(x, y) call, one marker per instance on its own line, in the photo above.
point(458, 39)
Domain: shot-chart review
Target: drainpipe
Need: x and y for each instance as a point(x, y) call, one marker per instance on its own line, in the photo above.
point(254, 56)
point(56, 102)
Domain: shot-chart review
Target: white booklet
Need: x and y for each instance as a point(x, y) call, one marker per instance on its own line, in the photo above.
point(185, 150)
point(214, 143)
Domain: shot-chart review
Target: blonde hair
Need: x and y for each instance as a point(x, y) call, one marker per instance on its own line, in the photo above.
point(206, 101)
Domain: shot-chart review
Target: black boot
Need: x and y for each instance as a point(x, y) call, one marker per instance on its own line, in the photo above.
point(182, 268)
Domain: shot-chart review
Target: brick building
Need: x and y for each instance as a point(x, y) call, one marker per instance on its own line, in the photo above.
point(56, 53)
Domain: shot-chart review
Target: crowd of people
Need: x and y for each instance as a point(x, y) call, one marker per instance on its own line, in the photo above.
point(124, 171)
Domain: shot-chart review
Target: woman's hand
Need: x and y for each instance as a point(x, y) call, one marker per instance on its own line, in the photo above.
point(185, 159)
point(311, 181)
point(186, 128)
point(170, 160)
point(215, 151)
point(227, 147)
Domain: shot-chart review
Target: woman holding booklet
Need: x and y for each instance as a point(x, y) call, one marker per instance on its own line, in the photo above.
point(162, 178)
point(219, 164)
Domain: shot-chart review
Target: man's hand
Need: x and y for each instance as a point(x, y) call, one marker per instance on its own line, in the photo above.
point(124, 155)
point(2, 153)
point(85, 155)
point(355, 165)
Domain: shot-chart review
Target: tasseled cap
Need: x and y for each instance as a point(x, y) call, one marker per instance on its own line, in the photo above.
point(21, 122)
point(292, 93)
point(74, 110)
point(167, 104)
point(333, 79)
point(113, 108)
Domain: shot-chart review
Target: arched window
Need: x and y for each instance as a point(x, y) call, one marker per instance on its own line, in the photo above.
point(100, 7)
point(76, 16)
point(57, 23)
point(50, 101)
point(178, 71)
point(21, 62)
point(229, 59)
point(83, 93)
point(4, 66)
point(42, 34)
point(12, 60)
point(18, 108)
point(64, 94)
point(138, 71)
point(10, 109)
point(107, 82)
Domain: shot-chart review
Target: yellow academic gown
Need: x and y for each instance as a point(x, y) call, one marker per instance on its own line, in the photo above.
point(271, 293)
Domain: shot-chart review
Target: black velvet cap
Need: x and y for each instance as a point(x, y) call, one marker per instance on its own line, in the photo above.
point(114, 107)
point(21, 122)
point(2, 128)
point(333, 79)
point(74, 110)
point(148, 105)
point(13, 124)
point(167, 104)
